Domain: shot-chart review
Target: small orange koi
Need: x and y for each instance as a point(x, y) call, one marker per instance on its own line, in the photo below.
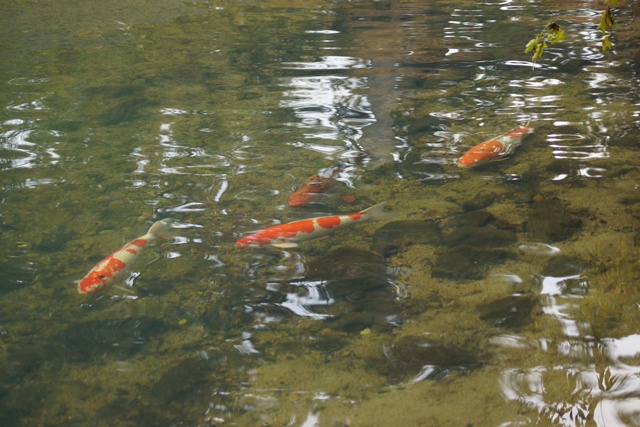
point(315, 185)
point(112, 267)
point(288, 235)
point(494, 149)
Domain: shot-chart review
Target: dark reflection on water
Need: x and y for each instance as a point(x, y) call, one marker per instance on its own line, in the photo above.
point(514, 282)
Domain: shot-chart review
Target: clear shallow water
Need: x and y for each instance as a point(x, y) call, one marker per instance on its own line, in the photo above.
point(510, 298)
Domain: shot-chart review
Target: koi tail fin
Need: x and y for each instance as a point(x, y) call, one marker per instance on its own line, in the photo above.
point(376, 213)
point(161, 229)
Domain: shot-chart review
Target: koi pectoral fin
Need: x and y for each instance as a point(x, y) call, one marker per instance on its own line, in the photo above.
point(285, 245)
point(124, 289)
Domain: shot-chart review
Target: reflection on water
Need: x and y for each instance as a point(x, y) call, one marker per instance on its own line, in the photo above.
point(508, 290)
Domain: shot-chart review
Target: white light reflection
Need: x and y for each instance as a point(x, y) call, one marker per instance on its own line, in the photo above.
point(526, 64)
point(556, 285)
point(612, 402)
point(313, 420)
point(246, 348)
point(591, 172)
point(322, 32)
point(17, 140)
point(316, 296)
point(580, 152)
point(188, 207)
point(426, 372)
point(328, 107)
point(628, 346)
point(511, 279)
point(539, 249)
point(224, 184)
point(329, 63)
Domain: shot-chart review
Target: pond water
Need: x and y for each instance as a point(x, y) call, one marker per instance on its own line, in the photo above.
point(503, 295)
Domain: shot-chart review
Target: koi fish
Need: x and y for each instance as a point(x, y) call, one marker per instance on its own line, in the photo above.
point(112, 267)
point(494, 149)
point(288, 235)
point(315, 185)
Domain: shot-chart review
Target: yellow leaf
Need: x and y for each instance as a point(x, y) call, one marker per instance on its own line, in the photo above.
point(602, 26)
point(539, 50)
point(606, 44)
point(531, 45)
point(609, 17)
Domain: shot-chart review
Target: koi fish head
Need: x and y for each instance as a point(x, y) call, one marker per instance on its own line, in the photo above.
point(91, 283)
point(485, 152)
point(520, 132)
point(253, 240)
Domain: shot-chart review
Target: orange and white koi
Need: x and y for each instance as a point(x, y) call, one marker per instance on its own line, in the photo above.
point(112, 267)
point(288, 235)
point(315, 185)
point(494, 149)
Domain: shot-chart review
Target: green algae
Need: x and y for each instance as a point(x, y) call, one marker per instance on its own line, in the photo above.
point(220, 157)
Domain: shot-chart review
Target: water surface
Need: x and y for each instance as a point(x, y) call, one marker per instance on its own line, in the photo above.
point(503, 295)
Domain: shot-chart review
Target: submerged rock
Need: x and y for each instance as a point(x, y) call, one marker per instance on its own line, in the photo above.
point(480, 201)
point(392, 237)
point(564, 266)
point(468, 262)
point(473, 249)
point(487, 237)
point(411, 354)
point(328, 344)
point(352, 322)
point(549, 221)
point(510, 312)
point(477, 218)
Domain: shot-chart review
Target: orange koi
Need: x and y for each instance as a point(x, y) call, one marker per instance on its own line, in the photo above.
point(112, 267)
point(315, 185)
point(494, 149)
point(288, 235)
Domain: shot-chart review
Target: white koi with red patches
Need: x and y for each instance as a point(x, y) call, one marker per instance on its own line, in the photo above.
point(494, 149)
point(288, 235)
point(111, 268)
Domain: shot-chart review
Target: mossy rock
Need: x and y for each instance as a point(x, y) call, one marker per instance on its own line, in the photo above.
point(411, 354)
point(468, 262)
point(486, 237)
point(513, 311)
point(482, 200)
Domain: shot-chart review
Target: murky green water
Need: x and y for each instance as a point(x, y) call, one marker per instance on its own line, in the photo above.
point(504, 295)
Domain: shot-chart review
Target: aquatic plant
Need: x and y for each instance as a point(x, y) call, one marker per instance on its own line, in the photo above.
point(552, 33)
